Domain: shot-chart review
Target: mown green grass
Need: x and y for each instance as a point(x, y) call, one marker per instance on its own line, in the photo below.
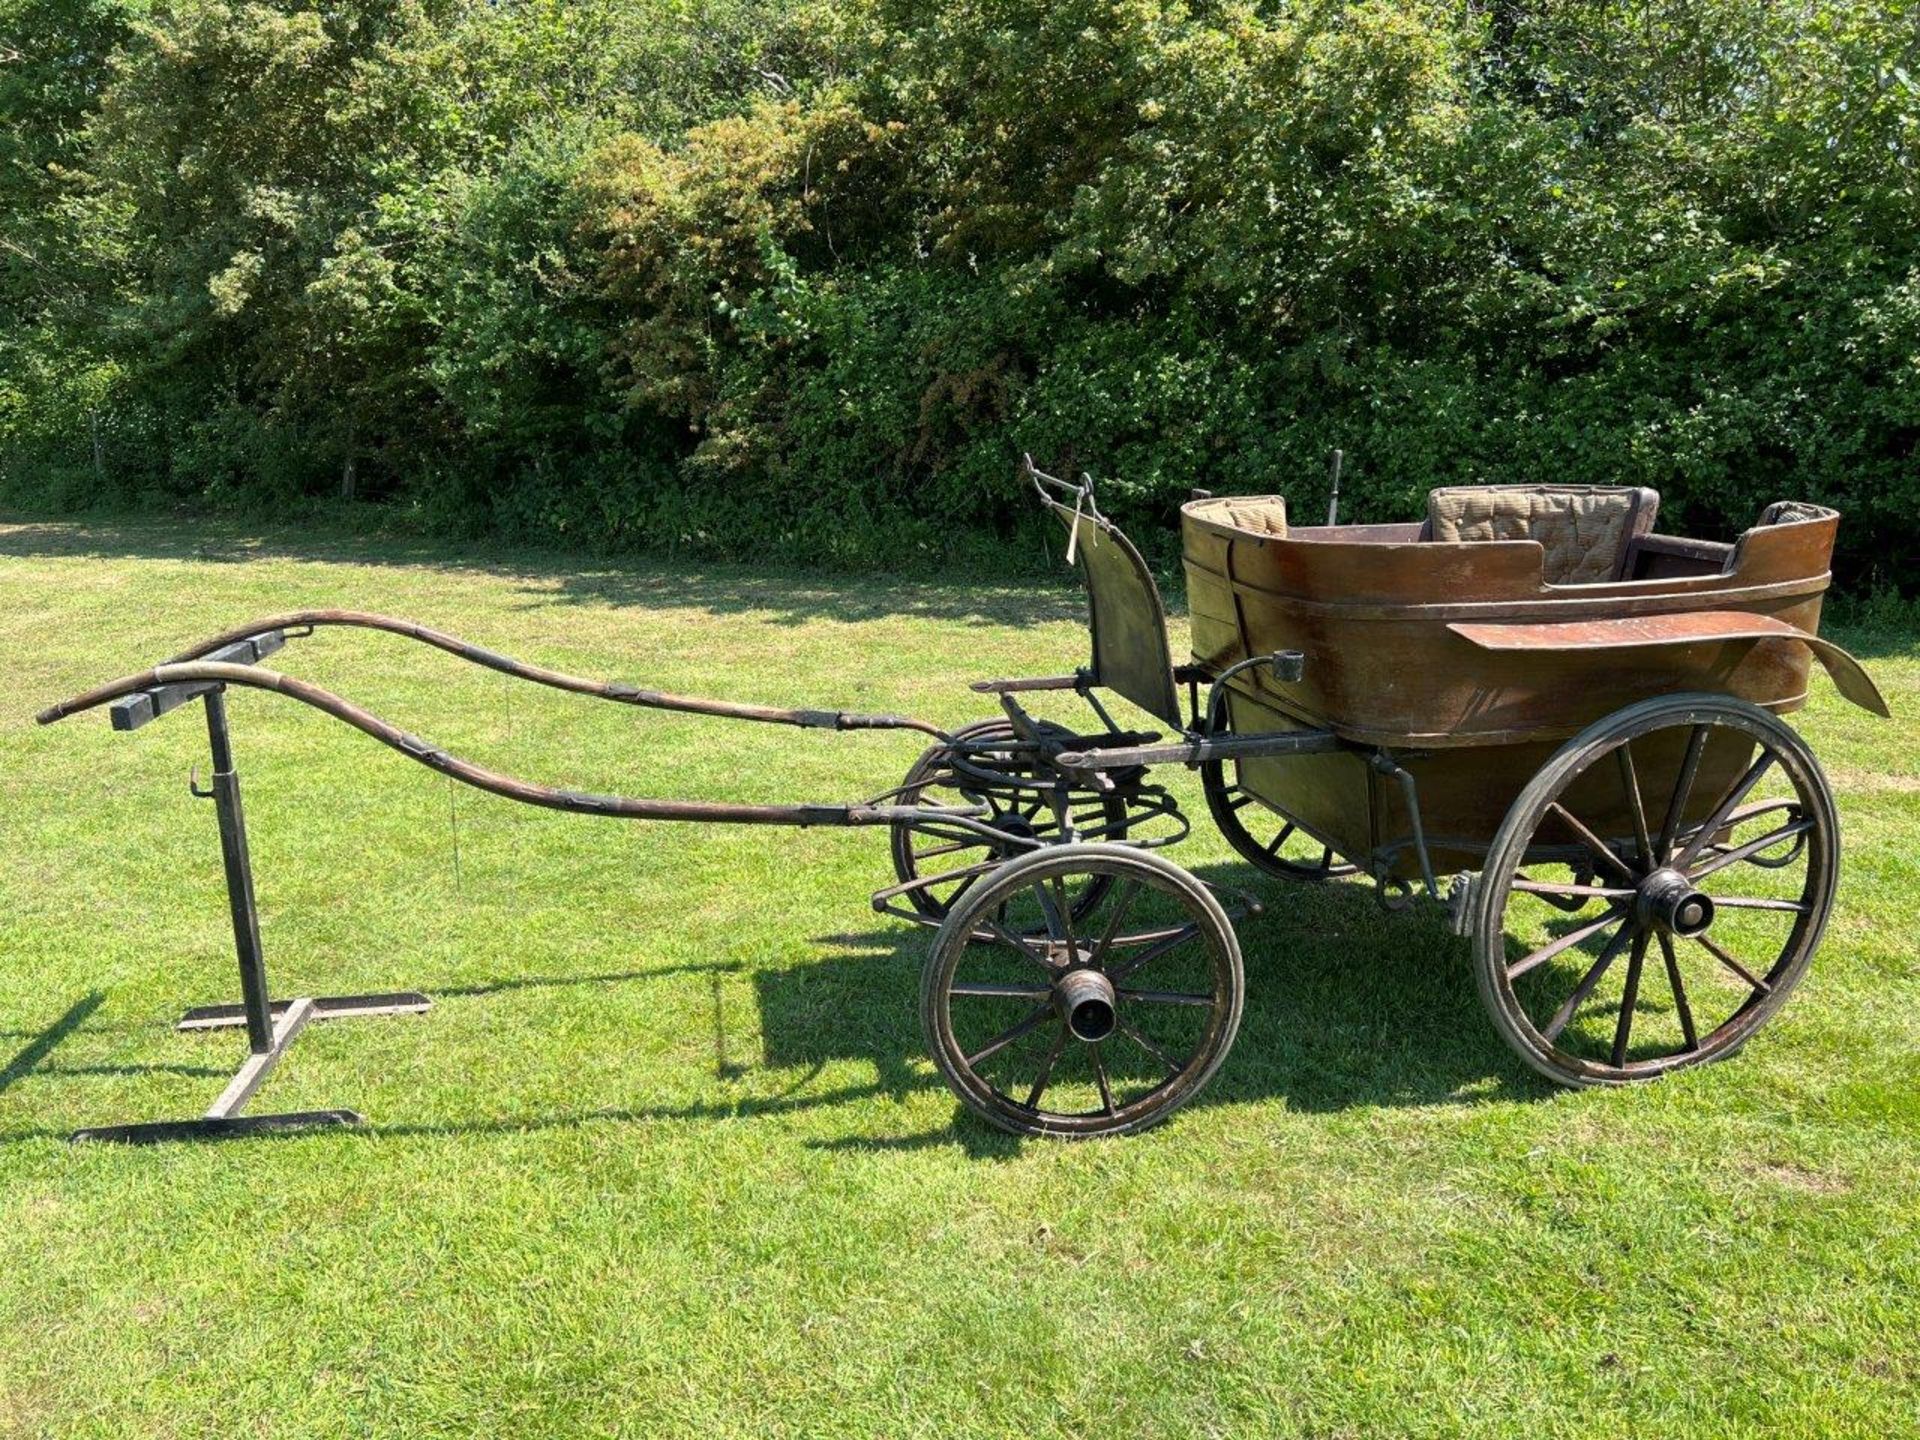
point(666, 1156)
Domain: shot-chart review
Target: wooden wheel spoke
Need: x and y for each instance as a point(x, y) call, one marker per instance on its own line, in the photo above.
point(1753, 847)
point(1173, 1066)
point(926, 830)
point(1033, 1021)
point(1588, 983)
point(1565, 942)
point(1326, 857)
point(1121, 903)
point(1055, 916)
point(1051, 1059)
point(1066, 916)
point(1682, 790)
point(982, 991)
point(1630, 997)
point(949, 849)
point(1714, 949)
point(1100, 1079)
point(1281, 838)
point(1680, 1006)
point(1154, 951)
point(1717, 821)
point(1592, 841)
point(971, 879)
point(1742, 902)
point(1588, 892)
point(1166, 997)
point(997, 928)
point(1245, 799)
point(1630, 782)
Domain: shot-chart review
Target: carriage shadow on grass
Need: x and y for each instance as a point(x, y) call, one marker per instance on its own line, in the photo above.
point(1346, 1006)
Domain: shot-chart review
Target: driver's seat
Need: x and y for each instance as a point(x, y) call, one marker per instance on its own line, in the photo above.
point(1131, 656)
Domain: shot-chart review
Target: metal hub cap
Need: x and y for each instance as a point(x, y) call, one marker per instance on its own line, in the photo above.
point(1669, 900)
point(1084, 999)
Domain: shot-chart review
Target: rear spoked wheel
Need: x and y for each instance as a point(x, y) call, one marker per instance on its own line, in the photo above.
point(1265, 838)
point(1656, 891)
point(1045, 1022)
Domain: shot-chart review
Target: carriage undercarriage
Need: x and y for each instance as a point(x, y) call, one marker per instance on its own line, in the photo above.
point(1024, 921)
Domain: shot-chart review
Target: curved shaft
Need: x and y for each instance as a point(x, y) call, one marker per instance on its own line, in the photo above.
point(478, 776)
point(602, 689)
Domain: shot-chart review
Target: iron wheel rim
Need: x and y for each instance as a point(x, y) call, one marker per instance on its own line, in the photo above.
point(1145, 1076)
point(1631, 922)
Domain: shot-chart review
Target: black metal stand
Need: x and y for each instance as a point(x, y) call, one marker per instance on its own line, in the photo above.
point(271, 1025)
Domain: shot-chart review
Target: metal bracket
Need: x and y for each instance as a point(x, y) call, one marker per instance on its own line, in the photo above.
point(1385, 764)
point(1460, 904)
point(145, 706)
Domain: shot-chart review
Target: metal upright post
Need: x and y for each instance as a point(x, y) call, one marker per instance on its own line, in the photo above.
point(271, 1026)
point(255, 1000)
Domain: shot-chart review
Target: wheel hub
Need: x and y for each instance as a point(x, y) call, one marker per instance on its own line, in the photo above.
point(1668, 899)
point(1015, 829)
point(1085, 1000)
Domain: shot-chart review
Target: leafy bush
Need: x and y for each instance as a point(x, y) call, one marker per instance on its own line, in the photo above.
point(752, 276)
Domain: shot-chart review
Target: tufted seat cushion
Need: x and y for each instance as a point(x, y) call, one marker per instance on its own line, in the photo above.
point(1586, 530)
point(1793, 512)
point(1262, 514)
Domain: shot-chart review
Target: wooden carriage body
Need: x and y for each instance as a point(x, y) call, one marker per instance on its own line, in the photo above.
point(1466, 661)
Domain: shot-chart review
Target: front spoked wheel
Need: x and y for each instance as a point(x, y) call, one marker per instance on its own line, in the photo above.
point(1656, 891)
point(1045, 1021)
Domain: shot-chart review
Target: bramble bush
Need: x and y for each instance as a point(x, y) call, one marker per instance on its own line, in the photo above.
point(804, 279)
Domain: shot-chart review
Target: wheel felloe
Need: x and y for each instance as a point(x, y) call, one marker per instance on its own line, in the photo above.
point(1701, 849)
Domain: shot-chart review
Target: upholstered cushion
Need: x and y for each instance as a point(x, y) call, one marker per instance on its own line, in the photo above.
point(1262, 514)
point(1792, 512)
point(1585, 529)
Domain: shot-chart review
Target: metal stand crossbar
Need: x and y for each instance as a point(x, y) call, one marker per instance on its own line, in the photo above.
point(271, 1025)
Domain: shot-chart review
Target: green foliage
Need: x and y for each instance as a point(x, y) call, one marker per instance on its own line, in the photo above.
point(760, 275)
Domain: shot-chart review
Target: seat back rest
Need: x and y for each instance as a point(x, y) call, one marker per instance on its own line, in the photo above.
point(1131, 656)
point(1790, 537)
point(1792, 512)
point(1260, 514)
point(1587, 531)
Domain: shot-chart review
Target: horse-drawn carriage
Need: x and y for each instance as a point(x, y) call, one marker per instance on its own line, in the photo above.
point(1532, 692)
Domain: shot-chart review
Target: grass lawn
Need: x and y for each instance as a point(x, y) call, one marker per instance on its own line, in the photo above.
point(666, 1156)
